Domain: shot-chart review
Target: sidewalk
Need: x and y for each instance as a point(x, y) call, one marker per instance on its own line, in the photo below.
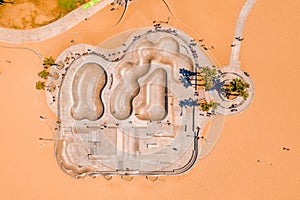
point(50, 30)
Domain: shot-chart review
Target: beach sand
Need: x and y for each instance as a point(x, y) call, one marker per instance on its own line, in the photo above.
point(248, 162)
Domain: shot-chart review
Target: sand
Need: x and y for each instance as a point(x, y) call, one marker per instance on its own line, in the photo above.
point(247, 163)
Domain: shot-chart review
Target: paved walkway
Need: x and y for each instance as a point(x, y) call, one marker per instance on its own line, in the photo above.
point(50, 30)
point(235, 53)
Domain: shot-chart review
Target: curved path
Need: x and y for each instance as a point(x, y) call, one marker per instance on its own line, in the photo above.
point(234, 59)
point(52, 29)
point(234, 69)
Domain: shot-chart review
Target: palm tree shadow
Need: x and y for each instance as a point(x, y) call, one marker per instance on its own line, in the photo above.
point(217, 84)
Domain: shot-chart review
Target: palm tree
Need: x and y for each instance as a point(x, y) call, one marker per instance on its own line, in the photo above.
point(237, 87)
point(208, 75)
point(44, 74)
point(205, 106)
point(244, 94)
point(213, 105)
point(48, 61)
point(187, 77)
point(40, 85)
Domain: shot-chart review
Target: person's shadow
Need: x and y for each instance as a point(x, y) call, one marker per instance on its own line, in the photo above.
point(2, 2)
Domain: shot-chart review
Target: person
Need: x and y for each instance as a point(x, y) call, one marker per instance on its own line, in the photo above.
point(239, 39)
point(42, 118)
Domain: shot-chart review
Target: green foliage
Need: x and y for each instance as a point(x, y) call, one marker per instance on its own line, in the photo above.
point(213, 105)
point(69, 5)
point(244, 94)
point(207, 106)
point(44, 74)
point(208, 75)
point(40, 85)
point(237, 86)
point(49, 61)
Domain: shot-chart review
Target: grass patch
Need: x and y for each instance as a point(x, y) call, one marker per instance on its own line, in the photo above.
point(69, 5)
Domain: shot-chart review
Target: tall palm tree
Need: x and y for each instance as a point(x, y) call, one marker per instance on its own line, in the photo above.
point(49, 61)
point(213, 105)
point(244, 94)
point(40, 85)
point(44, 74)
point(205, 106)
point(237, 87)
point(208, 74)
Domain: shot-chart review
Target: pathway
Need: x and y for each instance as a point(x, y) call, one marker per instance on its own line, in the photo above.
point(235, 53)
